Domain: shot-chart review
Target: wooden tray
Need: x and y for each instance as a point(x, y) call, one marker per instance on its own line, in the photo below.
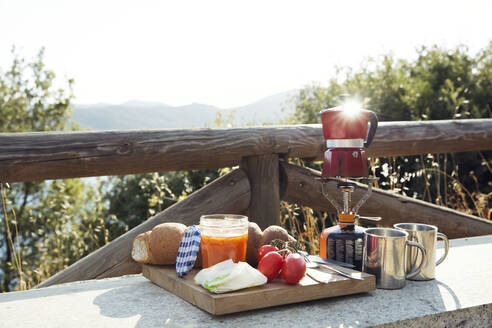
point(274, 293)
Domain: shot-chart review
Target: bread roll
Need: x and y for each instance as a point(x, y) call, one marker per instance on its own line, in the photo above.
point(141, 250)
point(159, 246)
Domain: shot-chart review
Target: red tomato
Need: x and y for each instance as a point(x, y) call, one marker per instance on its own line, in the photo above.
point(293, 268)
point(264, 250)
point(270, 265)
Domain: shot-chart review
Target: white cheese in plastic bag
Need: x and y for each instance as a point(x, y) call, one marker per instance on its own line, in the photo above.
point(228, 276)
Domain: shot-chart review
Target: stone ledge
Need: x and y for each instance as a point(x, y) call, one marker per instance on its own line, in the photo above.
point(475, 316)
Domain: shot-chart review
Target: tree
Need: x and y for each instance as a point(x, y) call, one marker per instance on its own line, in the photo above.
point(28, 101)
point(44, 225)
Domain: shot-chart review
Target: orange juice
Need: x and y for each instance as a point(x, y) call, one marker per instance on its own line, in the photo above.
point(224, 236)
point(217, 249)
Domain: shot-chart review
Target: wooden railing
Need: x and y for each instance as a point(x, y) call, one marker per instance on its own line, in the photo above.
point(255, 188)
point(39, 156)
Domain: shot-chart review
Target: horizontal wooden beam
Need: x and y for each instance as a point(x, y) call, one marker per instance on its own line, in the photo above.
point(299, 186)
point(54, 155)
point(227, 194)
point(431, 137)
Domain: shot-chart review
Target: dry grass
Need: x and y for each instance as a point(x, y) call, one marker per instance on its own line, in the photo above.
point(304, 224)
point(13, 247)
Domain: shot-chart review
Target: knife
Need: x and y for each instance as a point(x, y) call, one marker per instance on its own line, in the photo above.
point(318, 259)
point(351, 275)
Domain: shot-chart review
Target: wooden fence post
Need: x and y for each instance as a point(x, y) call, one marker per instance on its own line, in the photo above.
point(263, 174)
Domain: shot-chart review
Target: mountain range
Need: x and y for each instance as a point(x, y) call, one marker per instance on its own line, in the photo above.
point(152, 115)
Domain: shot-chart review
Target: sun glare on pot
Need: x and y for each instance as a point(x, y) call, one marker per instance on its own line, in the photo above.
point(352, 108)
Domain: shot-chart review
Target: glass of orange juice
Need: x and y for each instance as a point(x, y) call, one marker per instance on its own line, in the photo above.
point(224, 236)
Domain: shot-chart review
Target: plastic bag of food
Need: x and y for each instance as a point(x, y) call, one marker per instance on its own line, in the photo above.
point(228, 276)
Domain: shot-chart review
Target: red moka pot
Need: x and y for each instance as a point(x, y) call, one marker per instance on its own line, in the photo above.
point(345, 129)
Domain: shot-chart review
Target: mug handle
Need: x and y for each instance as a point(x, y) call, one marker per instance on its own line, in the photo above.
point(446, 247)
point(422, 250)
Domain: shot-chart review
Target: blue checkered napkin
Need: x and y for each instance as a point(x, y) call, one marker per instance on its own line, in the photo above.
point(188, 250)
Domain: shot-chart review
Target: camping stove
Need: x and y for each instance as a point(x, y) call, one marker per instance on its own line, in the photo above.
point(347, 129)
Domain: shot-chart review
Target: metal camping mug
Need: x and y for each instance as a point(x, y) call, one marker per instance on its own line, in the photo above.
point(426, 235)
point(385, 251)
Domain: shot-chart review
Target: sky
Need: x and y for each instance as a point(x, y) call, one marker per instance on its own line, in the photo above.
point(225, 53)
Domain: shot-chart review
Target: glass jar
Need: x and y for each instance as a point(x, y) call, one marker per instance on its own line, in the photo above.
point(224, 236)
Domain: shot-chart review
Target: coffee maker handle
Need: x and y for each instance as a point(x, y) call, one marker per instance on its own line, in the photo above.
point(373, 121)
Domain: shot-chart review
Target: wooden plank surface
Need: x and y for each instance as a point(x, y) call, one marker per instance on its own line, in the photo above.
point(53, 155)
point(227, 194)
point(299, 186)
point(272, 294)
point(262, 171)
